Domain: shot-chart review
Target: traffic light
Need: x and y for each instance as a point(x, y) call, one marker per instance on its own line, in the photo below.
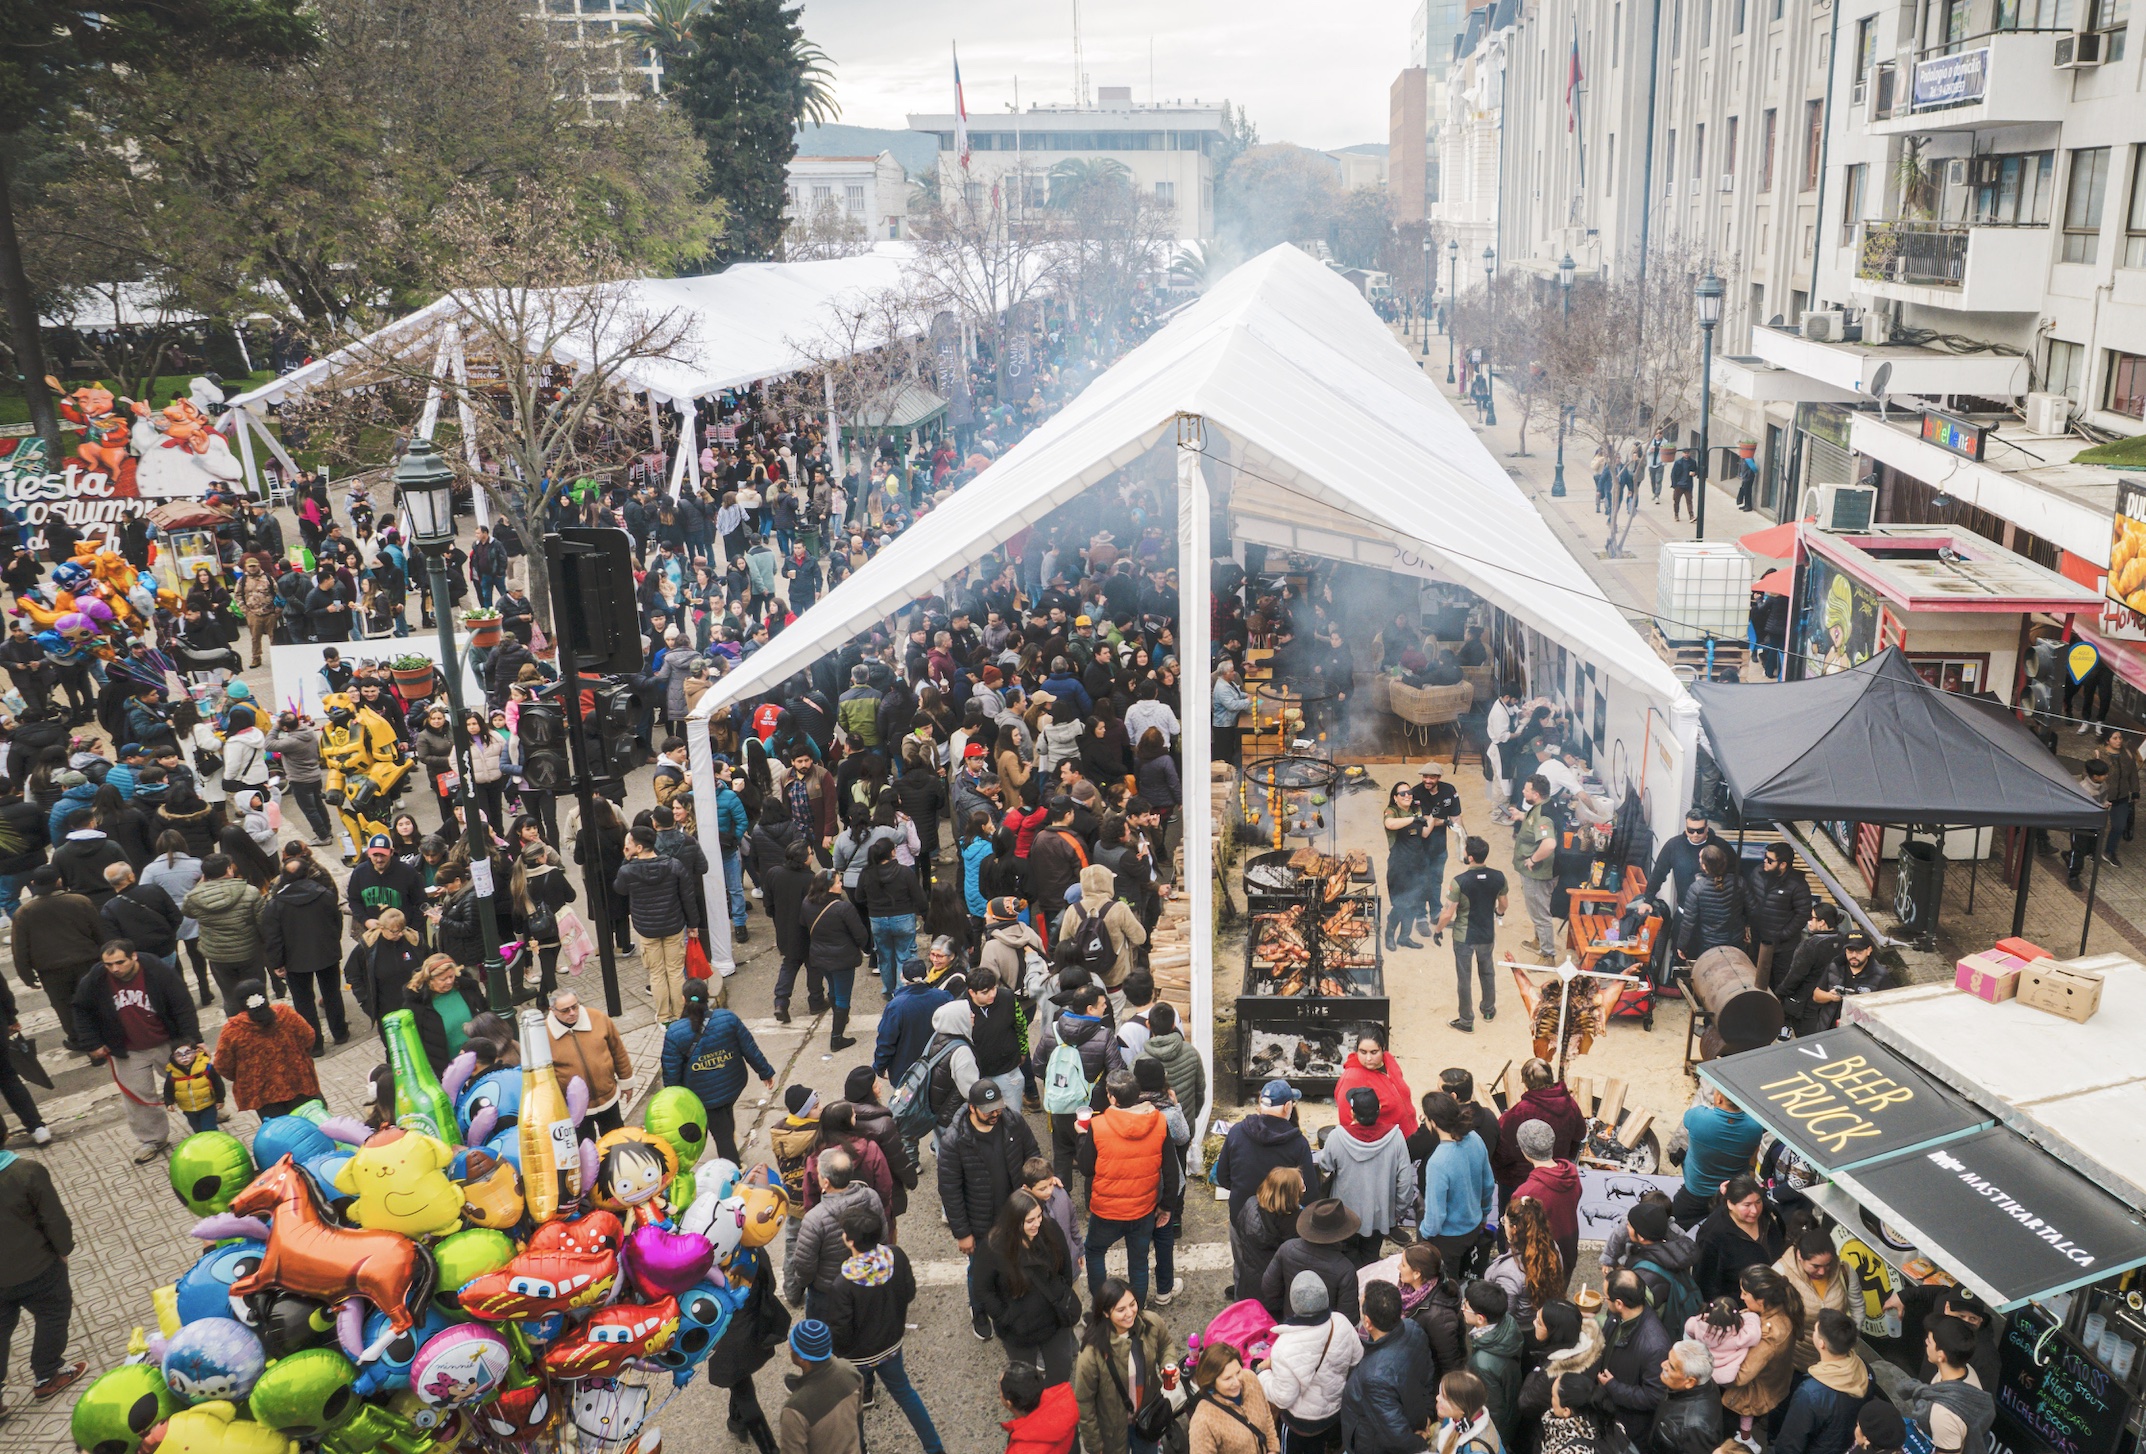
point(614, 750)
point(542, 729)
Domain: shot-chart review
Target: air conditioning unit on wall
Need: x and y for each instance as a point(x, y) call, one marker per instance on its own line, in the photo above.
point(1823, 326)
point(2048, 413)
point(1842, 507)
point(2079, 52)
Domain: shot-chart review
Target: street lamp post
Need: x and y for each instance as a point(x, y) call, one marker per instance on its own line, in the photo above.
point(1428, 248)
point(1565, 270)
point(426, 485)
point(1708, 292)
point(1490, 371)
point(1452, 292)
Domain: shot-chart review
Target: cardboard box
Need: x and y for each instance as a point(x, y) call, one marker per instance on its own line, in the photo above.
point(2061, 989)
point(1990, 975)
point(2023, 949)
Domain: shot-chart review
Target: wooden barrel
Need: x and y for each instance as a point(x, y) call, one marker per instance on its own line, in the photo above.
point(1726, 984)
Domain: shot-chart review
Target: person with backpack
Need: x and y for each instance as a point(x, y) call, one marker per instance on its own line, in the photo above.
point(980, 1158)
point(905, 1023)
point(1663, 1257)
point(1073, 1054)
point(1100, 933)
point(707, 1051)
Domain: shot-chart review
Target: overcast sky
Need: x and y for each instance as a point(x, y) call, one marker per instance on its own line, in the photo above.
point(1315, 75)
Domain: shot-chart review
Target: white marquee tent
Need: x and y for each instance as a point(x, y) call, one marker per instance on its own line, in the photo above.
point(1283, 379)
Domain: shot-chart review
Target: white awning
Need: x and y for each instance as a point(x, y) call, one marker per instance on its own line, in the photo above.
point(1309, 391)
point(752, 321)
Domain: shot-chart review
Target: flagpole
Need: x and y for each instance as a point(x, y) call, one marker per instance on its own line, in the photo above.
point(1579, 110)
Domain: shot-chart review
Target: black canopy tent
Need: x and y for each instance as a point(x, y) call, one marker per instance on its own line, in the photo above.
point(1877, 744)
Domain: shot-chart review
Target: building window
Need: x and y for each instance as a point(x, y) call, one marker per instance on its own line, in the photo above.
point(2127, 385)
point(1698, 158)
point(2135, 215)
point(1952, 15)
point(2066, 369)
point(2082, 204)
point(1609, 175)
point(1855, 178)
point(1738, 7)
point(1866, 51)
point(1669, 166)
point(1814, 133)
point(2013, 191)
point(1766, 147)
point(1706, 23)
point(2112, 18)
point(1728, 156)
point(822, 192)
point(853, 199)
point(1166, 193)
point(1777, 9)
point(1676, 27)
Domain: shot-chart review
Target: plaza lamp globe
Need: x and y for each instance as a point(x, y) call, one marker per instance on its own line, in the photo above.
point(426, 484)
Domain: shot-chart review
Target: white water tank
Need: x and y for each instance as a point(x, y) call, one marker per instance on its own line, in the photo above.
point(1703, 588)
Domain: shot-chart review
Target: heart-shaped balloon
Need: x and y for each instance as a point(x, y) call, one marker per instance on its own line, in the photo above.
point(666, 1263)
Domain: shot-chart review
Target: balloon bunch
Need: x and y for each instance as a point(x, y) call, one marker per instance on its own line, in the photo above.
point(472, 1276)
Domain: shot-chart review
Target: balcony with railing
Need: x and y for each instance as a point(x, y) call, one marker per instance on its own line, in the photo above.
point(2005, 78)
point(1953, 265)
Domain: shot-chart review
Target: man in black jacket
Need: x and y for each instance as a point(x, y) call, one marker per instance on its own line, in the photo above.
point(487, 566)
point(1055, 860)
point(143, 913)
point(302, 944)
point(1324, 1230)
point(1630, 1374)
point(1688, 1420)
point(328, 608)
point(998, 1031)
point(457, 928)
point(1387, 1400)
point(1816, 954)
point(36, 1239)
point(83, 856)
point(1777, 902)
point(665, 913)
point(139, 1012)
point(379, 882)
point(980, 1158)
point(1676, 866)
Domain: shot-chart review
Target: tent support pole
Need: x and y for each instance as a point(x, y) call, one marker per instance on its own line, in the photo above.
point(1973, 863)
point(1194, 551)
point(2026, 872)
point(715, 886)
point(2093, 882)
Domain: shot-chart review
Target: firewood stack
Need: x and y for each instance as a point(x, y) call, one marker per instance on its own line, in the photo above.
point(1170, 946)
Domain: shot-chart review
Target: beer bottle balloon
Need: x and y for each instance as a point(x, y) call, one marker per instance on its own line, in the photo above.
point(420, 1103)
point(551, 1155)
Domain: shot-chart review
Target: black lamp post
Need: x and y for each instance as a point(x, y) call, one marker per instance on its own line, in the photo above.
point(1428, 248)
point(427, 487)
point(1708, 292)
point(1452, 292)
point(1490, 372)
point(1565, 270)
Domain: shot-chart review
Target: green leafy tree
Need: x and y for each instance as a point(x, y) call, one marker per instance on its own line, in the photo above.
point(52, 50)
point(1362, 227)
point(748, 82)
point(667, 26)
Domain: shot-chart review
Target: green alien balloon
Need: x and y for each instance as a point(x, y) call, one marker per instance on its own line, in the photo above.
point(305, 1393)
point(122, 1406)
point(676, 1114)
point(208, 1169)
point(680, 1193)
point(465, 1256)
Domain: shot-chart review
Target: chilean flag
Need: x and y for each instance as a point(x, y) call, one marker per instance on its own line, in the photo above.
point(961, 115)
point(1572, 87)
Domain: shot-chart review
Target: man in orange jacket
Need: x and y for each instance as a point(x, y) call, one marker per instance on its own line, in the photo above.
point(1121, 1154)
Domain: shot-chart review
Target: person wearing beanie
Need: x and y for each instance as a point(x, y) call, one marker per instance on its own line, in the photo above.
point(1553, 1181)
point(794, 1138)
point(825, 1408)
point(1372, 1177)
point(1309, 1361)
point(1880, 1429)
point(905, 1024)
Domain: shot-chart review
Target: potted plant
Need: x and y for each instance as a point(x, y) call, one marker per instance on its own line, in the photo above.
point(482, 624)
point(412, 673)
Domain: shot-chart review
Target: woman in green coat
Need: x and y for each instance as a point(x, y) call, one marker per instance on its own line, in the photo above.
point(1123, 1350)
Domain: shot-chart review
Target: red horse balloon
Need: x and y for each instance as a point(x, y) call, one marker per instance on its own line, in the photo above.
point(311, 1256)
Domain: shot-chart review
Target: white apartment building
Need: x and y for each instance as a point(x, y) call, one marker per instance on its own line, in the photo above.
point(871, 191)
point(1769, 138)
point(1168, 147)
point(609, 69)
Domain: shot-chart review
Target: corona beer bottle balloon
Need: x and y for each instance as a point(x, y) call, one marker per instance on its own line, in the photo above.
point(420, 1103)
point(551, 1156)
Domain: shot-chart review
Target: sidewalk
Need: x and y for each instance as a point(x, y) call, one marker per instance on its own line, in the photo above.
point(2055, 913)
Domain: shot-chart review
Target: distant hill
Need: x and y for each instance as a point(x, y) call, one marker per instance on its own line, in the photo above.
point(915, 150)
point(1366, 148)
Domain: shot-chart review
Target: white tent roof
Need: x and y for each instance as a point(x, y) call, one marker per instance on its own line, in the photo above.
point(753, 321)
point(1316, 395)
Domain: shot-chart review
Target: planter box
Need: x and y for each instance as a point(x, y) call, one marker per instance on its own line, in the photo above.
point(413, 679)
point(483, 635)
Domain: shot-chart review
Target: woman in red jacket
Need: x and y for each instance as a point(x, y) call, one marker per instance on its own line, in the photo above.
point(1373, 1067)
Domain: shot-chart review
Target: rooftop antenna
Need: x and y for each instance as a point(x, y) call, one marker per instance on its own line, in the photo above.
point(1080, 69)
point(1151, 70)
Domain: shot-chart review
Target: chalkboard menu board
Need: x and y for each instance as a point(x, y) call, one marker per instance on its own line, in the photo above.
point(2071, 1405)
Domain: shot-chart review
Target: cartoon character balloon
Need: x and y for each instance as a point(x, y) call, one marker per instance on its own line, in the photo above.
point(704, 1314)
point(612, 1338)
point(216, 1428)
point(677, 1115)
point(208, 1169)
point(566, 1266)
point(116, 1412)
point(399, 1179)
point(461, 1366)
point(204, 1290)
point(214, 1358)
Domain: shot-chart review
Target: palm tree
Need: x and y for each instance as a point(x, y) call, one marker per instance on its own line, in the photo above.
point(667, 26)
point(816, 74)
point(1077, 177)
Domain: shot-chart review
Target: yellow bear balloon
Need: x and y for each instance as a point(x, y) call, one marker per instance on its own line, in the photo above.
point(216, 1428)
point(400, 1182)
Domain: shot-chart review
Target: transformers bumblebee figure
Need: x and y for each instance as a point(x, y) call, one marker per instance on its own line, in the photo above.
point(363, 768)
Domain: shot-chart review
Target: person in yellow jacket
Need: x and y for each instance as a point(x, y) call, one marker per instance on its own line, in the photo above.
point(192, 1087)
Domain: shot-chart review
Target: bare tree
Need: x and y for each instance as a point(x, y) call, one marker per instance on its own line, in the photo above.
point(1113, 239)
point(828, 232)
point(866, 361)
point(980, 252)
point(552, 330)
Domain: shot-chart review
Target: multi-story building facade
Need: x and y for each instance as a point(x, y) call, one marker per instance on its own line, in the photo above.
point(1169, 148)
point(872, 191)
point(608, 65)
